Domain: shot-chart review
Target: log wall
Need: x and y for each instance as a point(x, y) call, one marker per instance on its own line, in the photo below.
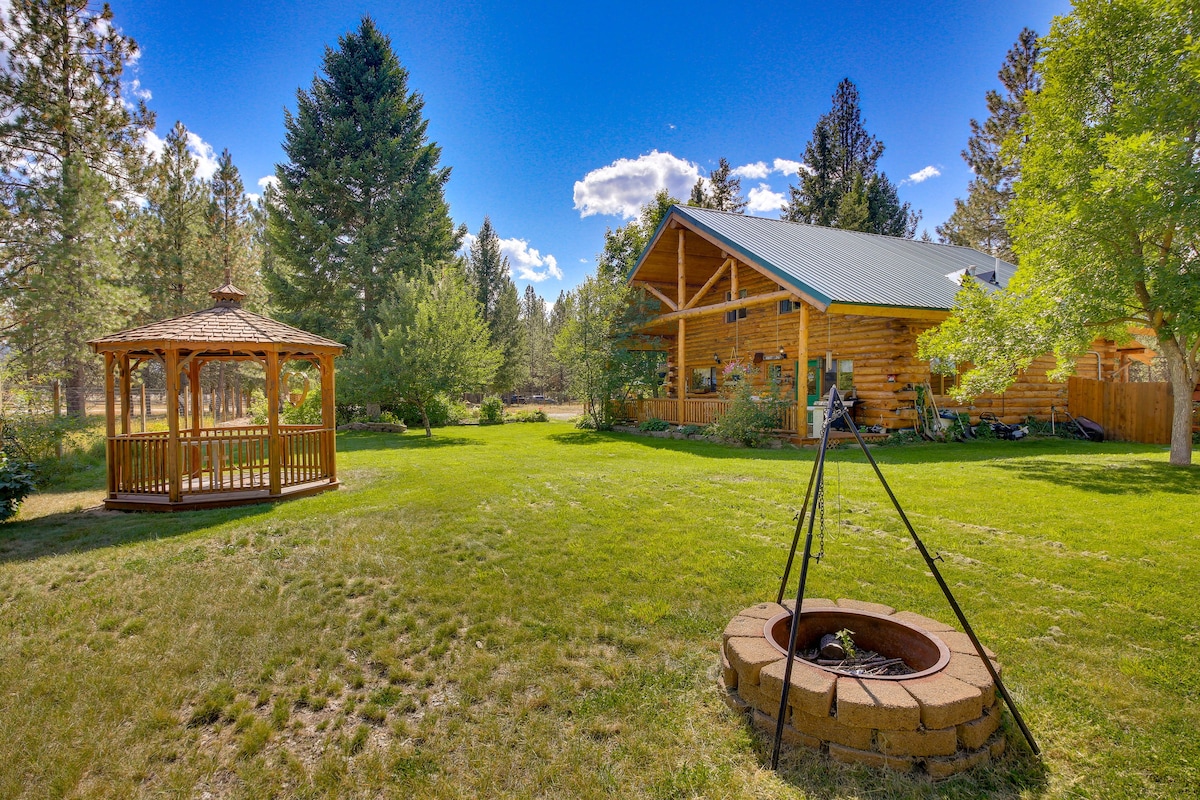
point(883, 350)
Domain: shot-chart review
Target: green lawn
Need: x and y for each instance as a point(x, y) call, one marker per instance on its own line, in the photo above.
point(535, 611)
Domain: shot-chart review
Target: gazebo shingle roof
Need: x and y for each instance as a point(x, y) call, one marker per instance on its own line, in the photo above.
point(224, 322)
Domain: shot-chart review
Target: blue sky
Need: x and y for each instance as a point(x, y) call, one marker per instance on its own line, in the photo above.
point(557, 118)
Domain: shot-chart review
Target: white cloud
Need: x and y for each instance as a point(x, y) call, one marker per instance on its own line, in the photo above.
point(268, 180)
point(924, 174)
point(756, 171)
point(525, 263)
point(762, 199)
point(625, 185)
point(206, 157)
point(789, 167)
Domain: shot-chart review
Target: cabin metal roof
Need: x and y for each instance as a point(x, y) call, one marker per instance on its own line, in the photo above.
point(837, 266)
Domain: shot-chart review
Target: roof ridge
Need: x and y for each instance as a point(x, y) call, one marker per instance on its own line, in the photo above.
point(832, 228)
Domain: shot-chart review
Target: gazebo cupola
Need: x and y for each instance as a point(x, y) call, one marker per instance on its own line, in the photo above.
point(191, 466)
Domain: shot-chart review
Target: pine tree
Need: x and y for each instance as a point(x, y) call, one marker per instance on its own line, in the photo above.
point(488, 274)
point(536, 367)
point(231, 249)
point(721, 191)
point(841, 158)
point(230, 230)
point(176, 269)
point(360, 200)
point(978, 221)
point(69, 147)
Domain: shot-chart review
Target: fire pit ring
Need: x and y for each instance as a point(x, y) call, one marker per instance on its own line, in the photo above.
point(942, 719)
point(923, 652)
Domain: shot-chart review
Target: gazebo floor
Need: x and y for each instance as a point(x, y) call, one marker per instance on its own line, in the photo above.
point(194, 502)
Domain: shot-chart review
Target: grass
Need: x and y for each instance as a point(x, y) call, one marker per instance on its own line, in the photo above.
point(534, 611)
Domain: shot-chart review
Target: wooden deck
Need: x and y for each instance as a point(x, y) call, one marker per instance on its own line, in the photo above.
point(215, 498)
point(218, 467)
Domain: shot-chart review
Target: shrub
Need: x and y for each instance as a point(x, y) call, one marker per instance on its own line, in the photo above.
point(528, 416)
point(655, 424)
point(746, 420)
point(690, 430)
point(438, 410)
point(903, 436)
point(491, 411)
point(584, 423)
point(307, 413)
point(16, 482)
point(388, 418)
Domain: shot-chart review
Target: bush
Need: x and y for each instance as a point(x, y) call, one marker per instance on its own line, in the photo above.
point(903, 436)
point(690, 430)
point(584, 423)
point(491, 411)
point(655, 424)
point(438, 410)
point(746, 420)
point(528, 416)
point(16, 482)
point(307, 413)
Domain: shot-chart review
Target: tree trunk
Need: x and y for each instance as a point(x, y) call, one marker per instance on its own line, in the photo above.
point(1183, 382)
point(77, 392)
point(425, 420)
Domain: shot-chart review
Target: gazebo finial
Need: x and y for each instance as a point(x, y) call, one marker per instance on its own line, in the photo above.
point(227, 295)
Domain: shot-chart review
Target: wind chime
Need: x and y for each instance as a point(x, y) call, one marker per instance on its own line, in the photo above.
point(816, 494)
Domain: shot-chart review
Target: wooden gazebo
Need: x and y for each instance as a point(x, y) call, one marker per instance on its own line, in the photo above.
point(190, 466)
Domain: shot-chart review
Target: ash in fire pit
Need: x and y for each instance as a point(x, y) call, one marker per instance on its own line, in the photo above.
point(838, 652)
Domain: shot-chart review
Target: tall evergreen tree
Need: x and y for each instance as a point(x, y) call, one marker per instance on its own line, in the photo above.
point(69, 144)
point(842, 159)
point(536, 365)
point(230, 227)
point(360, 200)
point(488, 273)
point(978, 221)
point(720, 192)
point(176, 271)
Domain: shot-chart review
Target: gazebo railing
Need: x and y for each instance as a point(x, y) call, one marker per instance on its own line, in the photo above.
point(214, 460)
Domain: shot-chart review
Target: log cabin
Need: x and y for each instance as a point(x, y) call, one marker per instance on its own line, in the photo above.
point(813, 307)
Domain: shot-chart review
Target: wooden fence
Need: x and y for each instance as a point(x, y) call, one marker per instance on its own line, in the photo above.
point(1128, 412)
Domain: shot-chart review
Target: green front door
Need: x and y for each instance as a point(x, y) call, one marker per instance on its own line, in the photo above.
point(814, 391)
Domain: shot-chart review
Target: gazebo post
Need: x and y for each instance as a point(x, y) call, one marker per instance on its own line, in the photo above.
point(328, 416)
point(126, 394)
point(110, 425)
point(174, 465)
point(197, 413)
point(273, 443)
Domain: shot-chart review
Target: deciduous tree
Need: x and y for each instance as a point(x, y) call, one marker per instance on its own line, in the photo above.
point(1105, 211)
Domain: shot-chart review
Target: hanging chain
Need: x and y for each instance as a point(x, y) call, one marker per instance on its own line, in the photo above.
point(819, 510)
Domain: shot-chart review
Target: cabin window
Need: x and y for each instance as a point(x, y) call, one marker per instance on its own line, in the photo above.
point(939, 382)
point(740, 313)
point(845, 375)
point(840, 373)
point(775, 374)
point(704, 379)
point(786, 306)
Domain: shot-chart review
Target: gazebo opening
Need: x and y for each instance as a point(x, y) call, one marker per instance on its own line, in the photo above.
point(190, 465)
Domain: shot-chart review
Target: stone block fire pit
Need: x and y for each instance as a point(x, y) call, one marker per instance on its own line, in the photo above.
point(942, 717)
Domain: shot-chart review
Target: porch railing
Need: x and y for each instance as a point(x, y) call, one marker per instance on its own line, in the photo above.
point(696, 411)
point(227, 459)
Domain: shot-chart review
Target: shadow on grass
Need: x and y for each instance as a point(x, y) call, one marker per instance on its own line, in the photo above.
point(361, 440)
point(93, 529)
point(1017, 774)
point(1110, 478)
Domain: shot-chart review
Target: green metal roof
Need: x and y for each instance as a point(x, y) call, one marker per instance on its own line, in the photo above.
point(836, 266)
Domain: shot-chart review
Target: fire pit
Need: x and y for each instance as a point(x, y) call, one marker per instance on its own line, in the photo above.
point(942, 717)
